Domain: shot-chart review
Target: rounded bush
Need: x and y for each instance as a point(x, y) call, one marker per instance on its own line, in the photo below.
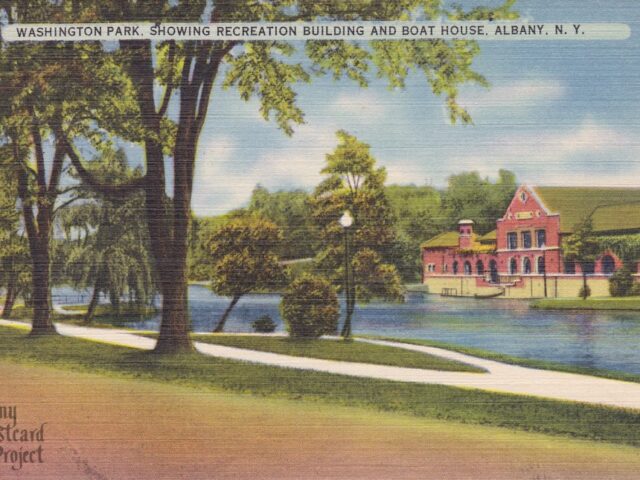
point(264, 324)
point(585, 292)
point(621, 283)
point(310, 308)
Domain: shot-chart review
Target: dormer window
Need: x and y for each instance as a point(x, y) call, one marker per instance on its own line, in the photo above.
point(523, 196)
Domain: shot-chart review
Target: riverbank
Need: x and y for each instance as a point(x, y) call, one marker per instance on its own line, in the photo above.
point(596, 303)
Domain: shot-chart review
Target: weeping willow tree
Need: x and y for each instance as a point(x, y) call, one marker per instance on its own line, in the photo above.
point(109, 247)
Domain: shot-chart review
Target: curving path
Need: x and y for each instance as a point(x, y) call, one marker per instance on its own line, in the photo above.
point(500, 377)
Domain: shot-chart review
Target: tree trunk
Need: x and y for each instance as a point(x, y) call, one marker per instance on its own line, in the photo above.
point(9, 301)
point(42, 321)
point(220, 327)
point(174, 328)
point(93, 303)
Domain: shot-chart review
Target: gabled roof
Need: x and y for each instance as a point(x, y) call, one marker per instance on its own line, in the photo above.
point(446, 239)
point(613, 209)
point(489, 237)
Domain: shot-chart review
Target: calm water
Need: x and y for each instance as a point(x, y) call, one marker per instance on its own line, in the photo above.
point(606, 340)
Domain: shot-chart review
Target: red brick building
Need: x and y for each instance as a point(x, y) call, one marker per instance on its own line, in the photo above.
point(523, 257)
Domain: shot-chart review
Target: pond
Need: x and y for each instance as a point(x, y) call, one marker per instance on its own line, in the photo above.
point(608, 340)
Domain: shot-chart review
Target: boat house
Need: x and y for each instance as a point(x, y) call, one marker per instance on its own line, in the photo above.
point(522, 257)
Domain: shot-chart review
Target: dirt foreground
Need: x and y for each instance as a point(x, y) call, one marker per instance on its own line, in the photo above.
point(100, 428)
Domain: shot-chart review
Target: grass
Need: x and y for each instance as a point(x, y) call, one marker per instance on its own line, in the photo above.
point(429, 401)
point(596, 303)
point(104, 316)
point(339, 350)
point(512, 360)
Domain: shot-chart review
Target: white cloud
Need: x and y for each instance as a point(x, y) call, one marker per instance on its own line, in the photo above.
point(522, 93)
point(589, 154)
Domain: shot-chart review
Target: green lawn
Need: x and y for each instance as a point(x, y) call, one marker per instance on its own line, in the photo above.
point(596, 303)
point(429, 401)
point(338, 350)
point(525, 362)
point(104, 316)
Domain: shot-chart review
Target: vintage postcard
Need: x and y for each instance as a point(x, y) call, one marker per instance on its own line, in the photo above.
point(337, 239)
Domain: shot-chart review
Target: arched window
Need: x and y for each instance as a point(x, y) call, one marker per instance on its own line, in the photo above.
point(513, 266)
point(608, 265)
point(526, 266)
point(479, 267)
point(455, 268)
point(493, 270)
point(467, 268)
point(589, 268)
point(570, 267)
point(541, 266)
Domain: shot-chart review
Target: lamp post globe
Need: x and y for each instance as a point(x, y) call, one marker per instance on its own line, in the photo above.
point(346, 220)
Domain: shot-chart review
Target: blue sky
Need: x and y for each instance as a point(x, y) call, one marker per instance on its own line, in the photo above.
point(557, 113)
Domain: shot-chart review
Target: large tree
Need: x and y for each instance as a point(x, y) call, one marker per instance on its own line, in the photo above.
point(187, 71)
point(355, 259)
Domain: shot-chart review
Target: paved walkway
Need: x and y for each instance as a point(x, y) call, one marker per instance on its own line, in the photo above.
point(500, 377)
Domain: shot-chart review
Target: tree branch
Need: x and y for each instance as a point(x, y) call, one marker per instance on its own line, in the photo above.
point(107, 189)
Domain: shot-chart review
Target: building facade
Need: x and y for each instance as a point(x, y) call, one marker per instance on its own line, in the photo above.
point(522, 257)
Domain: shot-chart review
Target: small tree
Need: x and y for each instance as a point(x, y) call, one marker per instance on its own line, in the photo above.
point(242, 254)
point(582, 248)
point(310, 308)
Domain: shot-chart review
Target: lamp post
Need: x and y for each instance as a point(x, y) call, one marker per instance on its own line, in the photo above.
point(544, 267)
point(346, 221)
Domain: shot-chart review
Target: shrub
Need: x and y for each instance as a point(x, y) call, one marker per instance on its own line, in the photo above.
point(310, 308)
point(585, 292)
point(264, 324)
point(621, 283)
point(635, 290)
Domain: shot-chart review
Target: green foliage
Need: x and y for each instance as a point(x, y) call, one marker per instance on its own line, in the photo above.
point(354, 183)
point(242, 256)
point(583, 248)
point(264, 324)
point(309, 308)
point(621, 283)
point(626, 247)
point(290, 211)
point(585, 292)
point(470, 196)
point(107, 249)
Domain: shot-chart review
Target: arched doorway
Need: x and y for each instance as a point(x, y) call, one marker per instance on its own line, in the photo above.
point(479, 267)
point(493, 271)
point(467, 268)
point(608, 265)
point(455, 268)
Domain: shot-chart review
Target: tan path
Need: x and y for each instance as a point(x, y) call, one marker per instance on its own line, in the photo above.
point(100, 428)
point(500, 377)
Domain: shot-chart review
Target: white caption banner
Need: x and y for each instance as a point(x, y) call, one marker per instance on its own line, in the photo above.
point(315, 31)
